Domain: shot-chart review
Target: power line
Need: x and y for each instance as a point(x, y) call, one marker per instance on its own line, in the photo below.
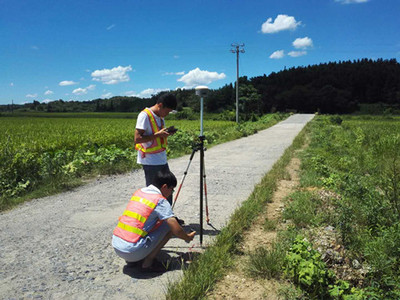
point(236, 49)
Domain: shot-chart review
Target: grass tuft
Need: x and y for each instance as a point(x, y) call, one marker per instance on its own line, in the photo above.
point(267, 263)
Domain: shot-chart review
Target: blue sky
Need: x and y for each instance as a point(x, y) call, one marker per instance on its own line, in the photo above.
point(83, 50)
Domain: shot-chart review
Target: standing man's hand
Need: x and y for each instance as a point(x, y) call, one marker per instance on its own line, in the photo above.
point(141, 138)
point(163, 133)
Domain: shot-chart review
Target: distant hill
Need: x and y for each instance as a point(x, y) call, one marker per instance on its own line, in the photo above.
point(335, 87)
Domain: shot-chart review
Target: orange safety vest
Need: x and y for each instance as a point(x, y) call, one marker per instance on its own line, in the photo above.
point(131, 223)
point(158, 144)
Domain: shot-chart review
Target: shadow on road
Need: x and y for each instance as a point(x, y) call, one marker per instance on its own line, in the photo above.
point(179, 261)
point(196, 227)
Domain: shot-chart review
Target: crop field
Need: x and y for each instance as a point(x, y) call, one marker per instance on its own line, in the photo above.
point(34, 150)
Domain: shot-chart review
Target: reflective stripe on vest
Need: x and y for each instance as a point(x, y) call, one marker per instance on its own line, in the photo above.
point(158, 144)
point(131, 223)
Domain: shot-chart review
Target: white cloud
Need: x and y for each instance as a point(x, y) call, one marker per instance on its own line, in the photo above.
point(107, 95)
point(147, 93)
point(176, 56)
point(150, 92)
point(47, 100)
point(351, 1)
point(48, 92)
point(197, 77)
point(67, 82)
point(282, 22)
point(111, 27)
point(131, 94)
point(297, 53)
point(31, 95)
point(83, 91)
point(174, 73)
point(12, 84)
point(112, 76)
point(79, 91)
point(34, 47)
point(277, 54)
point(303, 43)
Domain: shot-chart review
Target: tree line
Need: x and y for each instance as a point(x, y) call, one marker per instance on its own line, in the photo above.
point(334, 87)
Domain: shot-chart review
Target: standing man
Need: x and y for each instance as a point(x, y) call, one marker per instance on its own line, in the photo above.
point(151, 138)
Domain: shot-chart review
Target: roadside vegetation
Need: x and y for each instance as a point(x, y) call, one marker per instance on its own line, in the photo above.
point(339, 234)
point(47, 153)
point(350, 187)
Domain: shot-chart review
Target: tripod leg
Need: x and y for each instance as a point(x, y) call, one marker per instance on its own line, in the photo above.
point(205, 193)
point(183, 178)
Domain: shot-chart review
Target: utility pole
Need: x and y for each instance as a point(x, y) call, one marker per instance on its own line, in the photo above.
point(236, 49)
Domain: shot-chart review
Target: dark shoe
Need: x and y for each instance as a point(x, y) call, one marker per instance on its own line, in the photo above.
point(180, 221)
point(132, 264)
point(156, 267)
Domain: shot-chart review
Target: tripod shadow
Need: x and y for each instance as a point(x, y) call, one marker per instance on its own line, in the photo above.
point(180, 261)
point(196, 227)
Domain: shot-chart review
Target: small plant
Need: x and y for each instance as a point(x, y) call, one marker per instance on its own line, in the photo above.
point(267, 263)
point(269, 225)
point(305, 267)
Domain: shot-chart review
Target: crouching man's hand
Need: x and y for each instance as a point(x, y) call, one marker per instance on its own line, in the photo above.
point(190, 236)
point(178, 231)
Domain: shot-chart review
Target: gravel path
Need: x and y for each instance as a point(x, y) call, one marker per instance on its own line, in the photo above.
point(59, 247)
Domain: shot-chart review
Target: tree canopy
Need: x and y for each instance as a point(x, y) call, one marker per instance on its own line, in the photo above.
point(334, 87)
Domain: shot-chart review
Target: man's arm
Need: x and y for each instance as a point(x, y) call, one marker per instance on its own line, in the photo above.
point(178, 231)
point(141, 138)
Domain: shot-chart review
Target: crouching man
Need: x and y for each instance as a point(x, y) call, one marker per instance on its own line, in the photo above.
point(147, 224)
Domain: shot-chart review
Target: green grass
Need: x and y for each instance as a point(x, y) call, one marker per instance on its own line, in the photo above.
point(301, 208)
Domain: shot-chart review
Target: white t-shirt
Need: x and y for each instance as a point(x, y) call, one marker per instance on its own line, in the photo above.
point(154, 159)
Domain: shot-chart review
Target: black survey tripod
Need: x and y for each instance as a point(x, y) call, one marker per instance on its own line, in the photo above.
point(197, 147)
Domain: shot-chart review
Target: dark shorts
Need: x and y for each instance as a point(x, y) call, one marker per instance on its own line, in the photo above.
point(150, 172)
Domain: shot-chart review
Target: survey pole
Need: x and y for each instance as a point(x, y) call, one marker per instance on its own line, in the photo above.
point(236, 49)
